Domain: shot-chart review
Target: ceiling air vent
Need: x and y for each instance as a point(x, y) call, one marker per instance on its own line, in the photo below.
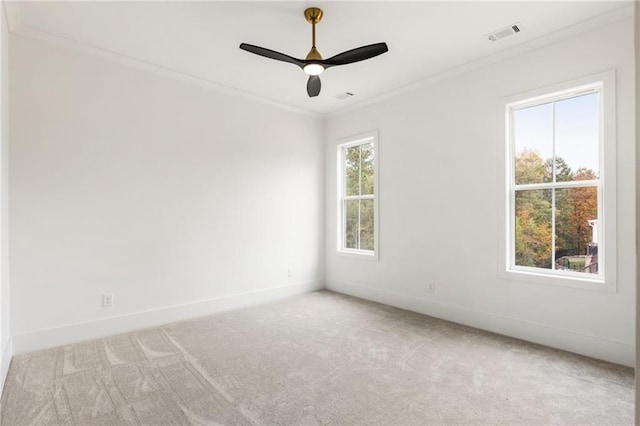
point(505, 32)
point(343, 96)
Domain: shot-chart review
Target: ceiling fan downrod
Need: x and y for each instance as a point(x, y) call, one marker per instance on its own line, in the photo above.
point(313, 15)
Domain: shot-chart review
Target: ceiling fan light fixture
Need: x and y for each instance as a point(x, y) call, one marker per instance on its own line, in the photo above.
point(314, 65)
point(313, 69)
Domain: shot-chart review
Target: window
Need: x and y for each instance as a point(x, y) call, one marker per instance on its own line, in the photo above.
point(558, 192)
point(357, 192)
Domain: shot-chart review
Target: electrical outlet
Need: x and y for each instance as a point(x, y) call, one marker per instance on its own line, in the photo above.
point(107, 300)
point(290, 272)
point(432, 287)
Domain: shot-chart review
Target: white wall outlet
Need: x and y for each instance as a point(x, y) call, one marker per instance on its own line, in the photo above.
point(290, 272)
point(432, 287)
point(107, 300)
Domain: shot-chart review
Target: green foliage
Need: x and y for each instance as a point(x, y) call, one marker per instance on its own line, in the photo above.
point(530, 168)
point(366, 224)
point(359, 213)
point(563, 171)
point(352, 170)
point(574, 207)
point(533, 228)
point(351, 223)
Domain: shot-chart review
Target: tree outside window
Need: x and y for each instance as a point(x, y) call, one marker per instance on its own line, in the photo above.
point(556, 184)
point(357, 196)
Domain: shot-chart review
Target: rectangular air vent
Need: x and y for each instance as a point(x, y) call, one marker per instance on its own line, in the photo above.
point(505, 32)
point(343, 96)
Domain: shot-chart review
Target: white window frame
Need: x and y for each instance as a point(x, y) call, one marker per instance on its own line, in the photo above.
point(361, 139)
point(605, 280)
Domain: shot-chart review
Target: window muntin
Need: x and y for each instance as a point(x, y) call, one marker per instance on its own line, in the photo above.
point(357, 196)
point(555, 184)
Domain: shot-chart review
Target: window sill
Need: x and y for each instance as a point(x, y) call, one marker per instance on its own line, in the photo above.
point(556, 279)
point(359, 254)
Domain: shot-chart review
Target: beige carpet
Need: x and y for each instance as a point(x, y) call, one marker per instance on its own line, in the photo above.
point(319, 358)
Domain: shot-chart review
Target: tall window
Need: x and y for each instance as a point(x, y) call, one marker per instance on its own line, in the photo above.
point(555, 184)
point(357, 191)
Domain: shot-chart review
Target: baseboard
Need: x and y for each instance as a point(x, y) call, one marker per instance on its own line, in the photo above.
point(5, 362)
point(72, 333)
point(591, 346)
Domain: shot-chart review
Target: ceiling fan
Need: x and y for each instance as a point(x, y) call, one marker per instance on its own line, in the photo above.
point(313, 64)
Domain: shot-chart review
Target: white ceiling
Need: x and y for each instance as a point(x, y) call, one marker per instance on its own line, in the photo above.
point(200, 39)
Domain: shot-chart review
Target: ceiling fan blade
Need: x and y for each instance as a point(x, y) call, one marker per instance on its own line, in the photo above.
point(313, 86)
point(271, 54)
point(356, 55)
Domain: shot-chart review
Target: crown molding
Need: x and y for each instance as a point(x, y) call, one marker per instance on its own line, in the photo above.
point(617, 15)
point(12, 12)
point(59, 41)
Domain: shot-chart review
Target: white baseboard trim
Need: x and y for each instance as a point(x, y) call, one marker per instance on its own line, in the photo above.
point(591, 346)
point(72, 333)
point(5, 362)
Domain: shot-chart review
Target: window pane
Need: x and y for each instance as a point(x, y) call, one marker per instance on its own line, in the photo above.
point(367, 168)
point(576, 229)
point(352, 170)
point(533, 228)
point(351, 223)
point(577, 137)
point(533, 143)
point(366, 224)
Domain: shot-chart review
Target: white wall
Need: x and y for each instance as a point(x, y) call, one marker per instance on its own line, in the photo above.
point(439, 166)
point(176, 198)
point(5, 336)
point(636, 21)
point(158, 191)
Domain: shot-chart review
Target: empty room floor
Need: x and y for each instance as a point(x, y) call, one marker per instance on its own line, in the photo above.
point(318, 358)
